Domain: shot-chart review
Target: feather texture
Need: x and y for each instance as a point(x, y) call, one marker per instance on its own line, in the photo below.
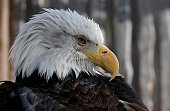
point(86, 93)
point(47, 43)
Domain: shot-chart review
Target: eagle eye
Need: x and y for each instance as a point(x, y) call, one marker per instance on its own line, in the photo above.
point(81, 40)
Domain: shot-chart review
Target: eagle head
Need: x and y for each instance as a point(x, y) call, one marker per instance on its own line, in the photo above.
point(59, 41)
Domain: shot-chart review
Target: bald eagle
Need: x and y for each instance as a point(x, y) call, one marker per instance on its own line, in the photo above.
point(61, 64)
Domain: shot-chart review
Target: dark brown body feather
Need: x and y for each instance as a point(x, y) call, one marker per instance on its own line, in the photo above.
point(86, 93)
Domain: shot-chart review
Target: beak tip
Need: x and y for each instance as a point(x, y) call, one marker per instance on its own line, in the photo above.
point(111, 79)
point(113, 76)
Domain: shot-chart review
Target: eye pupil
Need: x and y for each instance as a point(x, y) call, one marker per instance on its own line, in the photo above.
point(82, 40)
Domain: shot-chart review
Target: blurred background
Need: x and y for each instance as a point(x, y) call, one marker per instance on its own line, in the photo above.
point(138, 31)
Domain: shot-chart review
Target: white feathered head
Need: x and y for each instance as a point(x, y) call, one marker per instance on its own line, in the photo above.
point(58, 41)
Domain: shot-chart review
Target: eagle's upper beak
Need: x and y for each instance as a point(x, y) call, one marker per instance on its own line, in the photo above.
point(104, 58)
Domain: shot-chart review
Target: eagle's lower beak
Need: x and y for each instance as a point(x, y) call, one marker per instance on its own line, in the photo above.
point(104, 58)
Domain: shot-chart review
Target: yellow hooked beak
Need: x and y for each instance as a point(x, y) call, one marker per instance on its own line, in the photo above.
point(104, 58)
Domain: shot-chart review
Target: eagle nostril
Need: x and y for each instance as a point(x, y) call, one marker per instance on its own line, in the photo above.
point(104, 52)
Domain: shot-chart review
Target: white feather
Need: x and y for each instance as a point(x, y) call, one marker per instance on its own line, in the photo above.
point(46, 43)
